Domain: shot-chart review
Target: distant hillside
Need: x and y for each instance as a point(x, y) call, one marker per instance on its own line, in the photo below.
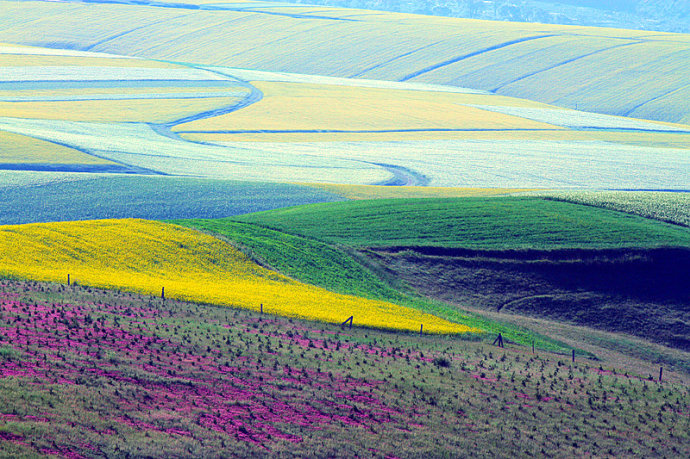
point(619, 72)
point(661, 15)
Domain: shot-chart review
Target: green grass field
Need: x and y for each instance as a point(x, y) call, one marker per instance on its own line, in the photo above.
point(478, 223)
point(298, 257)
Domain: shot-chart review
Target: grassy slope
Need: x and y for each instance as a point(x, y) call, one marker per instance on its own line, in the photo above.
point(480, 223)
point(298, 257)
point(106, 373)
point(337, 269)
point(513, 223)
point(572, 66)
point(149, 197)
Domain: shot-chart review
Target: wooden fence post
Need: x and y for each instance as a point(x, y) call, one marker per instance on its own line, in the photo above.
point(349, 319)
point(68, 279)
point(421, 329)
point(573, 355)
point(262, 308)
point(661, 373)
point(163, 293)
point(532, 346)
point(498, 340)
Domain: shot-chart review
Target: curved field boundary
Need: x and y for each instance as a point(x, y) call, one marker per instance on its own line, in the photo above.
point(254, 95)
point(17, 150)
point(353, 81)
point(455, 60)
point(145, 257)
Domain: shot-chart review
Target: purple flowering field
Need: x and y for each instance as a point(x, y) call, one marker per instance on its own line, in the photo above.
point(90, 373)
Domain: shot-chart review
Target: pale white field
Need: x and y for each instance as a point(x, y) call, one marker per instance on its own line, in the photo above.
point(513, 164)
point(59, 91)
point(123, 95)
point(660, 205)
point(16, 179)
point(138, 145)
point(41, 51)
point(450, 163)
point(610, 71)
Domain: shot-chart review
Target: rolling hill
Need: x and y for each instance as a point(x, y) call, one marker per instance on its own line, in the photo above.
point(569, 262)
point(75, 111)
point(620, 72)
point(499, 212)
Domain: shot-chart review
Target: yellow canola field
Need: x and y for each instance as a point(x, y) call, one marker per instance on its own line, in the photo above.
point(16, 148)
point(131, 110)
point(144, 256)
point(296, 106)
point(403, 192)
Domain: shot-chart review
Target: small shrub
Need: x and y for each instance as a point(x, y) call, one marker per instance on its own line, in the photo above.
point(441, 362)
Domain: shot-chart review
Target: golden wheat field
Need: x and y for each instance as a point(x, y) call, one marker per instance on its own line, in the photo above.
point(299, 107)
point(15, 148)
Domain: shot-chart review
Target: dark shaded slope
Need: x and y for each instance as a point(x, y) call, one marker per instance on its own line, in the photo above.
point(640, 292)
